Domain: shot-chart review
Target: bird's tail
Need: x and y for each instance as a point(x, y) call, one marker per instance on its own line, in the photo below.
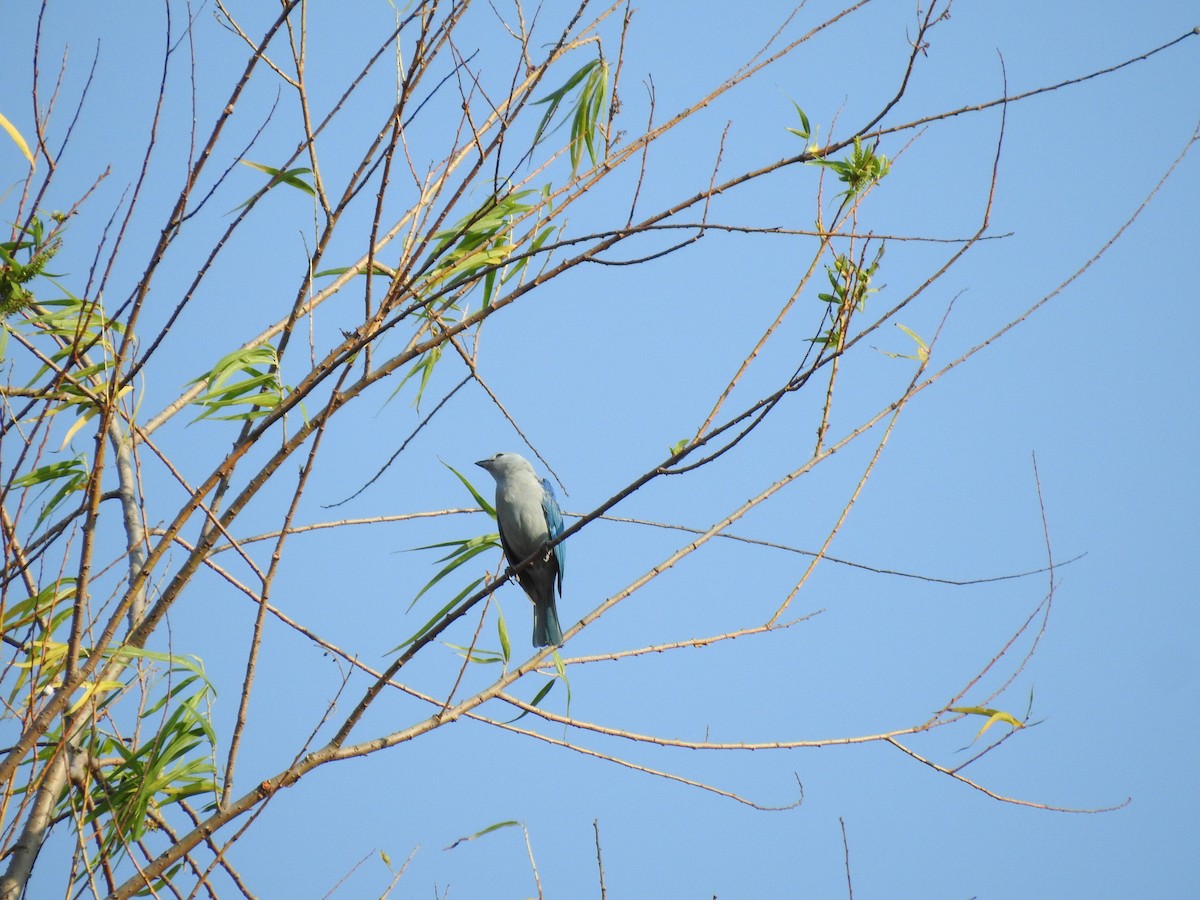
point(546, 630)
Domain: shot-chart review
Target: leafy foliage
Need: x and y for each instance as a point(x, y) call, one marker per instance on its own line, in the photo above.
point(129, 783)
point(290, 177)
point(65, 476)
point(805, 132)
point(475, 249)
point(850, 286)
point(858, 171)
point(16, 275)
point(243, 384)
point(463, 551)
point(587, 110)
point(34, 622)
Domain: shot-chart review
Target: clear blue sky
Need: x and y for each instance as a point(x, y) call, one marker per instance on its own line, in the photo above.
point(1100, 383)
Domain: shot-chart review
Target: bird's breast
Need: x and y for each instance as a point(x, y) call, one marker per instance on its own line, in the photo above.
point(522, 522)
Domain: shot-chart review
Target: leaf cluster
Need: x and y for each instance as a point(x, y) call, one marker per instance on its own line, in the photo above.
point(243, 385)
point(586, 114)
point(16, 275)
point(860, 170)
point(129, 783)
point(849, 288)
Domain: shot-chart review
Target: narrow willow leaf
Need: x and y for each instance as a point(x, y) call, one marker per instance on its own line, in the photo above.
point(993, 716)
point(39, 606)
point(464, 268)
point(90, 688)
point(17, 139)
point(458, 543)
point(479, 834)
point(467, 551)
point(377, 267)
point(171, 764)
point(425, 365)
point(48, 472)
point(922, 347)
point(70, 475)
point(483, 504)
point(544, 235)
point(588, 115)
point(537, 698)
point(561, 669)
point(81, 322)
point(541, 695)
point(439, 615)
point(554, 98)
point(88, 414)
point(257, 391)
point(805, 129)
point(486, 657)
point(43, 665)
point(502, 631)
point(290, 177)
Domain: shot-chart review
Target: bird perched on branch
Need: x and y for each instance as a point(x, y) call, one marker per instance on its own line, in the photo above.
point(528, 517)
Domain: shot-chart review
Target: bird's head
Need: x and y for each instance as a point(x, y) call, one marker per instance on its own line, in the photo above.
point(504, 465)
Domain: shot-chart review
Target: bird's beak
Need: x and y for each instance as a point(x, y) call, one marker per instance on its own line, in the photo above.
point(484, 464)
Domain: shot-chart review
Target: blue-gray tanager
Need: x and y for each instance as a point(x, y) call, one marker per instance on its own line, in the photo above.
point(528, 517)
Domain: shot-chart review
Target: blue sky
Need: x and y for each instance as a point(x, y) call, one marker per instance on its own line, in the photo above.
point(608, 366)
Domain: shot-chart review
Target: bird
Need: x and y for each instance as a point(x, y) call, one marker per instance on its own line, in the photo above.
point(528, 516)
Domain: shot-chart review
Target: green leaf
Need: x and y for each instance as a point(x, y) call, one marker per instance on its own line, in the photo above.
point(465, 551)
point(479, 834)
point(560, 669)
point(478, 244)
point(17, 139)
point(462, 551)
point(172, 763)
point(80, 323)
point(15, 275)
point(69, 474)
point(804, 132)
point(861, 169)
point(424, 365)
point(39, 607)
point(438, 616)
point(537, 698)
point(502, 631)
point(256, 392)
point(92, 687)
point(486, 657)
point(35, 619)
point(483, 504)
point(993, 716)
point(290, 177)
point(922, 354)
point(377, 268)
point(541, 695)
point(589, 113)
point(586, 119)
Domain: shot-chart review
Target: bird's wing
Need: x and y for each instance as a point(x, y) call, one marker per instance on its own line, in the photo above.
point(512, 558)
point(554, 524)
